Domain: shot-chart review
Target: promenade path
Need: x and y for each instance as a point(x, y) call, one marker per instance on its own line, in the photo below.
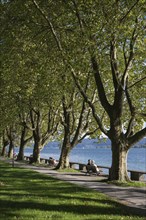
point(133, 197)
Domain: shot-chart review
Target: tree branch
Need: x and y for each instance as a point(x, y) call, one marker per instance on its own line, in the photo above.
point(122, 19)
point(49, 24)
point(137, 82)
point(114, 66)
point(89, 103)
point(28, 139)
point(131, 106)
point(132, 111)
point(88, 134)
point(100, 88)
point(124, 53)
point(136, 137)
point(79, 124)
point(130, 130)
point(78, 16)
point(130, 59)
point(32, 120)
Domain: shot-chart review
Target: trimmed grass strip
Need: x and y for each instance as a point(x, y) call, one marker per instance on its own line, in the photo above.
point(26, 194)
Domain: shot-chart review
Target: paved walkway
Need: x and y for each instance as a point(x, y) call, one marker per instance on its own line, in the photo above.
point(133, 197)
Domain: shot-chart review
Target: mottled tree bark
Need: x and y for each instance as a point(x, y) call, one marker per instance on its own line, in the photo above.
point(118, 169)
point(11, 149)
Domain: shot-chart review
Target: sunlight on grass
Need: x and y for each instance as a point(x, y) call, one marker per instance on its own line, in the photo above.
point(127, 184)
point(26, 194)
point(68, 170)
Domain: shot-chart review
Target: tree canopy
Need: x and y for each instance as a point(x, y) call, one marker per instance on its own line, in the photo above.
point(51, 47)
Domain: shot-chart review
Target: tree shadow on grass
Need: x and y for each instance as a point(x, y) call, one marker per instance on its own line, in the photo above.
point(12, 208)
point(90, 205)
point(38, 186)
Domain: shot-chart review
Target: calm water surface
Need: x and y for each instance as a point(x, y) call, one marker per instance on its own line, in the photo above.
point(136, 157)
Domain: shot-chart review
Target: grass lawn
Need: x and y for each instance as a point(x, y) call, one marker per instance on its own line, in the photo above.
point(127, 184)
point(25, 194)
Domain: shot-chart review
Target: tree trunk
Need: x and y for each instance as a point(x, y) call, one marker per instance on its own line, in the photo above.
point(118, 169)
point(22, 144)
point(5, 142)
point(20, 155)
point(4, 153)
point(64, 157)
point(36, 152)
point(11, 149)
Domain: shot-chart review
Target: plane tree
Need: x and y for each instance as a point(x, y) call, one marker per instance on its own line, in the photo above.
point(110, 37)
point(76, 120)
point(122, 76)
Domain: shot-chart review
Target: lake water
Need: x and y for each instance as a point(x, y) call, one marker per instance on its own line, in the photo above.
point(102, 156)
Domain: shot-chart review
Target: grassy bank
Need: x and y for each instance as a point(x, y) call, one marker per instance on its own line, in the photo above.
point(25, 194)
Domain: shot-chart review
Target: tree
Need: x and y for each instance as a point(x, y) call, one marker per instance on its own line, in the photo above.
point(113, 51)
point(24, 136)
point(121, 52)
point(77, 123)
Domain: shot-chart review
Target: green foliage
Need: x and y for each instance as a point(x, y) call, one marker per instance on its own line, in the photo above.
point(36, 70)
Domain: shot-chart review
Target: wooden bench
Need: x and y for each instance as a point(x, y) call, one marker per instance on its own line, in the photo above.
point(82, 166)
point(137, 175)
point(43, 160)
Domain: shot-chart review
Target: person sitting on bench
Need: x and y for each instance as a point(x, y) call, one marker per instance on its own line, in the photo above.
point(88, 166)
point(92, 167)
point(52, 161)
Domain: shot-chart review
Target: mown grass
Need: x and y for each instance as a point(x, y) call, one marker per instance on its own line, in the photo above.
point(127, 184)
point(25, 194)
point(68, 170)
